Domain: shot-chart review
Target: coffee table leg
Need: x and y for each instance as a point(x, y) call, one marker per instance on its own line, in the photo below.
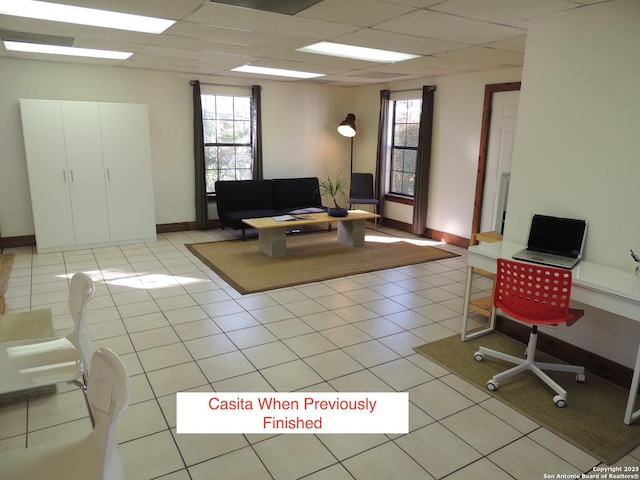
point(273, 242)
point(351, 232)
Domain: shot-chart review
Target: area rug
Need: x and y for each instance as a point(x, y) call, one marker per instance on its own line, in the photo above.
point(23, 326)
point(311, 257)
point(6, 263)
point(592, 419)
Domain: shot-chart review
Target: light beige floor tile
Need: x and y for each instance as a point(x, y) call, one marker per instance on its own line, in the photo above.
point(570, 453)
point(483, 469)
point(211, 345)
point(13, 420)
point(238, 465)
point(150, 457)
point(56, 409)
point(233, 320)
point(439, 451)
point(271, 314)
point(291, 376)
point(251, 336)
point(185, 315)
point(378, 327)
point(527, 459)
point(156, 337)
point(199, 448)
point(174, 303)
point(249, 382)
point(345, 335)
point(309, 344)
point(60, 433)
point(509, 415)
point(292, 327)
point(438, 399)
point(304, 307)
point(334, 472)
point(13, 443)
point(362, 381)
point(225, 366)
point(333, 364)
point(165, 356)
point(348, 445)
point(432, 332)
point(139, 420)
point(323, 320)
point(293, 456)
point(371, 353)
point(473, 424)
point(176, 379)
point(401, 374)
point(386, 462)
point(269, 354)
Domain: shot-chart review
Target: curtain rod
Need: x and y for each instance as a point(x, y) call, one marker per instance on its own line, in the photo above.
point(221, 85)
point(417, 89)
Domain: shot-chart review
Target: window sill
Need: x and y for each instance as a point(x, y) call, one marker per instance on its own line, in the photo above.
point(392, 197)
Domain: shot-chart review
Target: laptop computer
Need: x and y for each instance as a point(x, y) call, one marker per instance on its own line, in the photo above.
point(554, 241)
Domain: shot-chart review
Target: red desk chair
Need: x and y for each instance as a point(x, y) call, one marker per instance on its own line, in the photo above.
point(537, 295)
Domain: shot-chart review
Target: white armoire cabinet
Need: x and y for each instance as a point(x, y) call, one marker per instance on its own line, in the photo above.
point(89, 167)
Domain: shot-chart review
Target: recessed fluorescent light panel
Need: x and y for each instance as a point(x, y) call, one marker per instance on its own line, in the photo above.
point(83, 16)
point(357, 53)
point(276, 71)
point(60, 50)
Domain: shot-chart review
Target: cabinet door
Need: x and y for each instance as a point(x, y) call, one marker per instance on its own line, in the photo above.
point(43, 134)
point(83, 142)
point(127, 158)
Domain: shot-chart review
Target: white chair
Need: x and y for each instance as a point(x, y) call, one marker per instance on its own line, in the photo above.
point(26, 364)
point(93, 457)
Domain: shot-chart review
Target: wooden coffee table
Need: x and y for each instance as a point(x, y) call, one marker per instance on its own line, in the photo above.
point(272, 234)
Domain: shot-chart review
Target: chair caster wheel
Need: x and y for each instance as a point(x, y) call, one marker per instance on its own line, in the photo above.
point(580, 377)
point(491, 385)
point(559, 401)
point(478, 356)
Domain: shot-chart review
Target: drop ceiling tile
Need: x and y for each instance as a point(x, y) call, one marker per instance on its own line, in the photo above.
point(443, 26)
point(354, 12)
point(368, 37)
point(243, 37)
point(257, 21)
point(169, 9)
point(217, 47)
point(485, 55)
point(509, 12)
point(515, 44)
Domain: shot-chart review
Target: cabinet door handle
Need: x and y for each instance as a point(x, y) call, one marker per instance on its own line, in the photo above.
point(64, 176)
point(108, 175)
point(71, 175)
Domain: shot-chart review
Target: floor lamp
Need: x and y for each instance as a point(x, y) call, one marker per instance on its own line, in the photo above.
point(347, 128)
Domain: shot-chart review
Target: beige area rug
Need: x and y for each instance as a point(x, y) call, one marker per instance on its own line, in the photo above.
point(311, 257)
point(23, 326)
point(6, 263)
point(592, 419)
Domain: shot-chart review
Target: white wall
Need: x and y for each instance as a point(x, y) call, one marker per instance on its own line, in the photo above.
point(577, 143)
point(299, 129)
point(457, 124)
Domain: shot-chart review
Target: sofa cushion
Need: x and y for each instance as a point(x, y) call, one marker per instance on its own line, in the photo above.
point(234, 195)
point(294, 193)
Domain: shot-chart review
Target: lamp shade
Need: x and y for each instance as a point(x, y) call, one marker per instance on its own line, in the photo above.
point(348, 126)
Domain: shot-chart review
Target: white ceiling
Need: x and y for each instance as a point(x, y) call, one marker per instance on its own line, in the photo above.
point(210, 38)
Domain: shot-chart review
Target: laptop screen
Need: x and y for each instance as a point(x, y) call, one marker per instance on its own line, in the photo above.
point(560, 236)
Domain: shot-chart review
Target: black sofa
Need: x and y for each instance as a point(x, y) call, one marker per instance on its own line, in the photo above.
point(240, 199)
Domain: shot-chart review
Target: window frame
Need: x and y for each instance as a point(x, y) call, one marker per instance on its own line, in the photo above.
point(249, 145)
point(399, 196)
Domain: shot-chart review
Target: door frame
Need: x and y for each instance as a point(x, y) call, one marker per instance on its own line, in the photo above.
point(489, 90)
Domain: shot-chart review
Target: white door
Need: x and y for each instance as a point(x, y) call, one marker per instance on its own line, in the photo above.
point(43, 133)
point(504, 114)
point(83, 141)
point(127, 159)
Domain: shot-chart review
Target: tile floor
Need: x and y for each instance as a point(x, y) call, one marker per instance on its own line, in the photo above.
point(178, 327)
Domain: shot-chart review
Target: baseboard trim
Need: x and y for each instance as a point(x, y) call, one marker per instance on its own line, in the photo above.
point(595, 364)
point(446, 238)
point(14, 242)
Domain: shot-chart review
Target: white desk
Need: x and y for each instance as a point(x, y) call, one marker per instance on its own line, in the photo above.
point(607, 288)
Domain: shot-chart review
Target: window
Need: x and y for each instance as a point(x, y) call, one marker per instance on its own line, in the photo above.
point(404, 146)
point(227, 138)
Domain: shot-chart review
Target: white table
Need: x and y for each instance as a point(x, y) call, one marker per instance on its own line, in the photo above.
point(610, 289)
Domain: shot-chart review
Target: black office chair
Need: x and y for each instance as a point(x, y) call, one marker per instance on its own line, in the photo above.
point(362, 192)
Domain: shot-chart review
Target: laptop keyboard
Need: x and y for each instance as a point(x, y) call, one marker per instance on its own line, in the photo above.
point(547, 258)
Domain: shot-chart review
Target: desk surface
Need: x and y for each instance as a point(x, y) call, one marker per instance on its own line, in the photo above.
point(265, 223)
point(597, 284)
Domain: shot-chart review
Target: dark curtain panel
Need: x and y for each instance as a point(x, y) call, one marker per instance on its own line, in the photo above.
point(383, 148)
point(256, 118)
point(423, 162)
point(202, 213)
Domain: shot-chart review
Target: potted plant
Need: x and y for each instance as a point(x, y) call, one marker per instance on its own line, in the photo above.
point(335, 188)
